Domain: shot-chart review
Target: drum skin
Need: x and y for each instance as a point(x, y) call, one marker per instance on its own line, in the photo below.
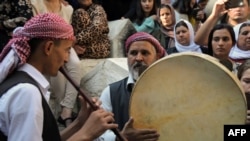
point(187, 97)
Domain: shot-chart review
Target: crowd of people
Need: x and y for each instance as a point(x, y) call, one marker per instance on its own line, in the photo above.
point(38, 37)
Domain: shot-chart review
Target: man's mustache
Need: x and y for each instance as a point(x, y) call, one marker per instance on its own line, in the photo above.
point(141, 67)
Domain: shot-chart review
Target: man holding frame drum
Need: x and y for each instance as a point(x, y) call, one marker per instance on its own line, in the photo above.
point(142, 50)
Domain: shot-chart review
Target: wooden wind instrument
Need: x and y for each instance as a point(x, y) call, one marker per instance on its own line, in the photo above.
point(88, 100)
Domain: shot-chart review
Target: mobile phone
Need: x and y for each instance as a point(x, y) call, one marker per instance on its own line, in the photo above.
point(195, 11)
point(233, 4)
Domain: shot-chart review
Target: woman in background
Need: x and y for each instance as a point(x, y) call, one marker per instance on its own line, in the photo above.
point(146, 18)
point(220, 41)
point(241, 50)
point(165, 34)
point(184, 39)
point(91, 30)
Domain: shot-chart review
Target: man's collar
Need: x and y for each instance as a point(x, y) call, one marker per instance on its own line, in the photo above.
point(130, 83)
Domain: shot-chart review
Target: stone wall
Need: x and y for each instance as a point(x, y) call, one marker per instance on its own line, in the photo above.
point(101, 72)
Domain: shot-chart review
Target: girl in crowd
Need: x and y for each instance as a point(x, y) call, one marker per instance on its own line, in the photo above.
point(91, 30)
point(220, 41)
point(146, 18)
point(184, 39)
point(244, 77)
point(167, 21)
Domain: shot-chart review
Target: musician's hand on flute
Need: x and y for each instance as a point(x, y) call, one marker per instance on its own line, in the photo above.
point(86, 110)
point(105, 118)
point(93, 123)
point(97, 101)
point(133, 134)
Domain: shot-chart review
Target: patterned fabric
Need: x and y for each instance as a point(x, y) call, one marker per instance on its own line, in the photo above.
point(9, 11)
point(18, 45)
point(47, 26)
point(143, 36)
point(44, 26)
point(91, 31)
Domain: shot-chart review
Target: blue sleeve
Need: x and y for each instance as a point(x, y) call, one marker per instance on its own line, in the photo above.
point(148, 25)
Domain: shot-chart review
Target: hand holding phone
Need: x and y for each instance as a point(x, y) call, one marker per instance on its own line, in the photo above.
point(233, 4)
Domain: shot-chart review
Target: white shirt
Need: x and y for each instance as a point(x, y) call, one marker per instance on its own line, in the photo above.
point(106, 105)
point(21, 112)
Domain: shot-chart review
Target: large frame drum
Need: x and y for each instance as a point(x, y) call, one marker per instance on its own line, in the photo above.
point(188, 97)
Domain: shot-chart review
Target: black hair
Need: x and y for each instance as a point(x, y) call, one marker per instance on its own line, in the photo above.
point(243, 25)
point(219, 27)
point(165, 6)
point(182, 6)
point(202, 1)
point(181, 23)
point(140, 16)
point(34, 42)
point(242, 68)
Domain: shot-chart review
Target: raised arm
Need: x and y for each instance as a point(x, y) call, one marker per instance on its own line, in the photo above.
point(201, 36)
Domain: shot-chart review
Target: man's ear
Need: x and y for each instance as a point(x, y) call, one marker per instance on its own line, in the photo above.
point(48, 47)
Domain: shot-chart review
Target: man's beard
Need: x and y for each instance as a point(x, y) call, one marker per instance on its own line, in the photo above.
point(137, 69)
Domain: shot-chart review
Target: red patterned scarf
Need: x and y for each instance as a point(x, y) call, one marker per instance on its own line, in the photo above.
point(43, 26)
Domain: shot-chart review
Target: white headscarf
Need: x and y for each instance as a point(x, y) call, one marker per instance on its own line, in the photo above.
point(236, 52)
point(192, 46)
point(236, 30)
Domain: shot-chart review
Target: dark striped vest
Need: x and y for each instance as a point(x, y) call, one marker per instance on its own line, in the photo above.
point(50, 128)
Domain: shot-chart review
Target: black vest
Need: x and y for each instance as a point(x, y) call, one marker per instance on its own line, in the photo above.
point(120, 98)
point(50, 128)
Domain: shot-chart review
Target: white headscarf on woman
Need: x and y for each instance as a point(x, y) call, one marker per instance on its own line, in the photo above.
point(192, 46)
point(236, 52)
